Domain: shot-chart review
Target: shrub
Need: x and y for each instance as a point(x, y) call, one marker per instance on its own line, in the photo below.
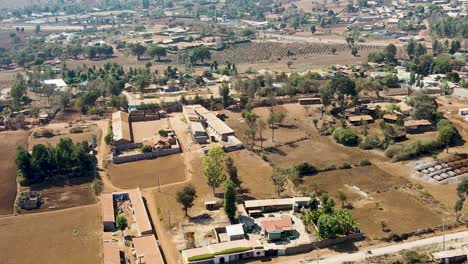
point(370, 142)
point(121, 222)
point(365, 162)
point(305, 168)
point(413, 149)
point(76, 130)
point(96, 186)
point(146, 149)
point(344, 166)
point(47, 133)
point(346, 136)
point(329, 168)
point(264, 156)
point(163, 133)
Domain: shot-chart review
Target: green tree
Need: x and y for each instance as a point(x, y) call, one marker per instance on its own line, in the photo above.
point(424, 106)
point(37, 29)
point(231, 170)
point(121, 222)
point(155, 51)
point(354, 51)
point(274, 118)
point(145, 4)
point(261, 125)
point(137, 50)
point(328, 226)
point(186, 197)
point(213, 167)
point(18, 89)
point(341, 87)
point(230, 199)
point(280, 179)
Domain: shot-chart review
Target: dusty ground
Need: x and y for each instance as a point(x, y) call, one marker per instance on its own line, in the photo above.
point(8, 142)
point(144, 173)
point(147, 129)
point(73, 235)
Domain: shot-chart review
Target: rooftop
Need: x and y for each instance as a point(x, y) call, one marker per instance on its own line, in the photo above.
point(235, 230)
point(277, 224)
point(111, 252)
point(273, 202)
point(360, 117)
point(139, 210)
point(220, 247)
point(120, 126)
point(421, 122)
point(107, 208)
point(147, 250)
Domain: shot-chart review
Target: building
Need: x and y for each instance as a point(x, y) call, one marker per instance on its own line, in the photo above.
point(390, 118)
point(278, 228)
point(460, 92)
point(108, 214)
point(198, 132)
point(360, 119)
point(451, 256)
point(310, 101)
point(121, 129)
point(111, 252)
point(139, 213)
point(463, 111)
point(57, 84)
point(231, 251)
point(147, 250)
point(258, 207)
point(417, 126)
point(235, 232)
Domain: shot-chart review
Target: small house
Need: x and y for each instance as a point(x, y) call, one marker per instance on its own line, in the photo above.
point(359, 120)
point(310, 101)
point(278, 228)
point(458, 255)
point(235, 232)
point(390, 118)
point(417, 126)
point(463, 111)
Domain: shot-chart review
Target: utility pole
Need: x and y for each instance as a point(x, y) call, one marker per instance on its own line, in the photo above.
point(443, 234)
point(159, 185)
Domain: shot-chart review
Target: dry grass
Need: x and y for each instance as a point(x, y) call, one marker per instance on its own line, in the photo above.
point(64, 132)
point(73, 235)
point(8, 142)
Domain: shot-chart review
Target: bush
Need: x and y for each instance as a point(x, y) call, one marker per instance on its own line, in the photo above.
point(264, 156)
point(146, 149)
point(47, 133)
point(121, 222)
point(346, 136)
point(76, 130)
point(365, 162)
point(163, 133)
point(344, 166)
point(329, 168)
point(370, 142)
point(305, 168)
point(96, 186)
point(413, 149)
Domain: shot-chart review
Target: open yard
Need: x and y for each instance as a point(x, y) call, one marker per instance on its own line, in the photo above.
point(8, 142)
point(73, 235)
point(378, 198)
point(146, 173)
point(143, 130)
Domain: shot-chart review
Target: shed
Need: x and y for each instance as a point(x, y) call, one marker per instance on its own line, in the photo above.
point(390, 118)
point(417, 126)
point(463, 111)
point(358, 120)
point(277, 228)
point(310, 101)
point(235, 232)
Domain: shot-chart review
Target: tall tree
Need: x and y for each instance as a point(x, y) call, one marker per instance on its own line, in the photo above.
point(155, 51)
point(280, 179)
point(186, 197)
point(230, 199)
point(342, 86)
point(261, 125)
point(274, 118)
point(18, 88)
point(213, 167)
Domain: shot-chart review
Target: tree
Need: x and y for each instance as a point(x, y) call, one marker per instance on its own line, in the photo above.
point(280, 179)
point(333, 50)
point(314, 203)
point(455, 46)
point(74, 51)
point(462, 191)
point(313, 29)
point(346, 136)
point(341, 87)
point(18, 88)
point(342, 197)
point(137, 50)
point(156, 51)
point(390, 53)
point(274, 118)
point(424, 106)
point(186, 197)
point(437, 47)
point(224, 93)
point(230, 199)
point(354, 51)
point(261, 125)
point(145, 4)
point(231, 170)
point(328, 226)
point(37, 29)
point(121, 222)
point(213, 167)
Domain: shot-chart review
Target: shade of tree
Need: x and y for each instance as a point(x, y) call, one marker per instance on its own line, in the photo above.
point(231, 170)
point(280, 179)
point(186, 197)
point(230, 199)
point(213, 167)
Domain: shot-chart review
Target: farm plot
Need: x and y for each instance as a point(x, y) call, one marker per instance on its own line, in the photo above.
point(8, 142)
point(254, 52)
point(147, 173)
point(72, 234)
point(379, 199)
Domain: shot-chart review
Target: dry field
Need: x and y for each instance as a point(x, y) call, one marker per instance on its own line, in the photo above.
point(144, 173)
point(377, 197)
point(144, 130)
point(8, 142)
point(73, 235)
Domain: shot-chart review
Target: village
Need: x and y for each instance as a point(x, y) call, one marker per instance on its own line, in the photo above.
point(234, 131)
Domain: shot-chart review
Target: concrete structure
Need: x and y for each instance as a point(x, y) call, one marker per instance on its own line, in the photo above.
point(108, 214)
point(121, 129)
point(255, 207)
point(232, 251)
point(277, 228)
point(310, 101)
point(57, 84)
point(198, 132)
point(139, 212)
point(463, 111)
point(111, 252)
point(451, 256)
point(358, 120)
point(460, 92)
point(417, 126)
point(147, 250)
point(235, 232)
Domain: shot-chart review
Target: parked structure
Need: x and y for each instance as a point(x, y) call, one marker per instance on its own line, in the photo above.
point(458, 255)
point(310, 101)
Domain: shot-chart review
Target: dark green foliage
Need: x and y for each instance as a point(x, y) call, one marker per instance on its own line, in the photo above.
point(445, 26)
point(424, 106)
point(346, 136)
point(414, 257)
point(186, 197)
point(305, 168)
point(230, 199)
point(121, 222)
point(146, 149)
point(49, 163)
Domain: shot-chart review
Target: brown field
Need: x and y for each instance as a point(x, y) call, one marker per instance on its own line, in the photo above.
point(147, 129)
point(64, 132)
point(8, 142)
point(144, 173)
point(403, 206)
point(73, 235)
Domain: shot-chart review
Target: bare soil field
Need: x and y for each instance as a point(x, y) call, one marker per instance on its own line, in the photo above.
point(8, 142)
point(377, 197)
point(73, 235)
point(145, 173)
point(147, 129)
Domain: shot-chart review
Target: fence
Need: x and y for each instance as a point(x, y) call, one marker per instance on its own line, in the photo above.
point(323, 243)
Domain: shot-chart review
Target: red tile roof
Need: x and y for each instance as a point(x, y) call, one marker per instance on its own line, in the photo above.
point(277, 224)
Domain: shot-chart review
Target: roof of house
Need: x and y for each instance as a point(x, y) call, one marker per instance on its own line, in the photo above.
point(390, 117)
point(360, 117)
point(107, 208)
point(111, 252)
point(219, 126)
point(235, 230)
point(449, 253)
point(277, 224)
point(197, 127)
point(146, 248)
point(139, 209)
point(121, 126)
point(422, 122)
point(274, 202)
point(310, 98)
point(57, 82)
point(214, 248)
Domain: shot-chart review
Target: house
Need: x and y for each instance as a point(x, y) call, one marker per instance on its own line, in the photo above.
point(257, 207)
point(277, 228)
point(147, 250)
point(390, 118)
point(108, 214)
point(231, 251)
point(310, 101)
point(29, 200)
point(235, 232)
point(359, 120)
point(139, 213)
point(458, 255)
point(111, 252)
point(463, 111)
point(57, 84)
point(121, 129)
point(417, 126)
point(198, 132)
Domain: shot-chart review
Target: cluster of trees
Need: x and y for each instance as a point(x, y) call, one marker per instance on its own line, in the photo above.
point(462, 191)
point(338, 88)
point(387, 56)
point(197, 54)
point(450, 27)
point(255, 124)
point(329, 220)
point(51, 163)
point(91, 52)
point(152, 51)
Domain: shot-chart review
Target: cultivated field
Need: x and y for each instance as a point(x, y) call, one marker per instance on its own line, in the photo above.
point(8, 142)
point(73, 235)
point(144, 173)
